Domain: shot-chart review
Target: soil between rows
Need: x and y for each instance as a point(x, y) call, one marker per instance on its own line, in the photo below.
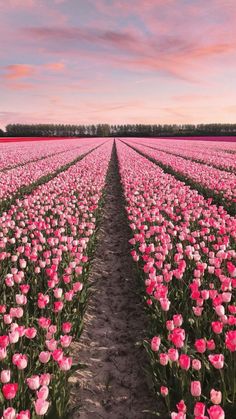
point(114, 384)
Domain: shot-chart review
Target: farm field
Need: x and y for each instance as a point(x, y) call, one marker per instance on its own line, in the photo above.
point(118, 278)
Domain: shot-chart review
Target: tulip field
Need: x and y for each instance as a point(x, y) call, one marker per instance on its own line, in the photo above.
point(180, 203)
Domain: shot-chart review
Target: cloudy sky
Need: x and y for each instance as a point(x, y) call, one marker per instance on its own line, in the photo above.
point(117, 61)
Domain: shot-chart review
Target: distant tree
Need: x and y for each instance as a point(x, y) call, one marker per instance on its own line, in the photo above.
point(122, 130)
point(2, 133)
point(103, 130)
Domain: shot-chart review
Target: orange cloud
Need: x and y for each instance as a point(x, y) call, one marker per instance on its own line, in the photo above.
point(55, 66)
point(18, 71)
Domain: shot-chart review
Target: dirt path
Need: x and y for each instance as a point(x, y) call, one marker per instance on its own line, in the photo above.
point(114, 384)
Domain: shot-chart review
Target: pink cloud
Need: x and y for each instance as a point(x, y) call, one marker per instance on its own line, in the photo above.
point(171, 55)
point(17, 4)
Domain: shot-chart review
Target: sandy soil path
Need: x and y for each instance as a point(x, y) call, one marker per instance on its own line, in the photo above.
point(114, 384)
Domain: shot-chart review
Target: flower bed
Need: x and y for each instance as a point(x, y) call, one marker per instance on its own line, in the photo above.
point(46, 240)
point(15, 179)
point(185, 248)
point(191, 150)
point(209, 180)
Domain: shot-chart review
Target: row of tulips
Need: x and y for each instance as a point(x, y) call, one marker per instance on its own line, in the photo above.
point(189, 150)
point(46, 240)
point(185, 249)
point(14, 154)
point(214, 182)
point(15, 179)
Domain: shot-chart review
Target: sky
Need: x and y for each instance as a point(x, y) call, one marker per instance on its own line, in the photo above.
point(117, 61)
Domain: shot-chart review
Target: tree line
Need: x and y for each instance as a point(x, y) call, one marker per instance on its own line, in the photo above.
point(125, 130)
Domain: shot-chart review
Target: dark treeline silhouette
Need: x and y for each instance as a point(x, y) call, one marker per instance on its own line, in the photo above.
point(2, 133)
point(126, 130)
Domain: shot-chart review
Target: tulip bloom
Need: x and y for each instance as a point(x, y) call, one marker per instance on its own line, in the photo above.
point(216, 396)
point(184, 361)
point(216, 412)
point(155, 343)
point(10, 390)
point(164, 358)
point(24, 414)
point(9, 413)
point(164, 391)
point(230, 340)
point(196, 388)
point(5, 376)
point(217, 360)
point(41, 407)
point(199, 409)
point(33, 382)
point(200, 345)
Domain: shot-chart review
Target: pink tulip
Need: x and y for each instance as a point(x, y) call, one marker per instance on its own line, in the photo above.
point(196, 364)
point(164, 391)
point(30, 332)
point(165, 304)
point(217, 360)
point(41, 407)
point(45, 379)
point(196, 388)
point(177, 337)
point(230, 340)
point(57, 354)
point(33, 382)
point(3, 353)
point(14, 337)
point(4, 341)
point(5, 376)
point(65, 363)
point(43, 393)
point(9, 390)
point(178, 320)
point(200, 345)
point(65, 341)
point(24, 414)
point(9, 413)
point(211, 345)
point(44, 357)
point(184, 361)
point(170, 325)
point(217, 327)
point(216, 412)
point(66, 327)
point(20, 360)
point(199, 409)
point(216, 396)
point(179, 415)
point(173, 354)
point(164, 358)
point(155, 343)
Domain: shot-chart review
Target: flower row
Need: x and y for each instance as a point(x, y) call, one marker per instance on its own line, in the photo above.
point(191, 151)
point(18, 153)
point(46, 240)
point(20, 176)
point(186, 250)
point(219, 182)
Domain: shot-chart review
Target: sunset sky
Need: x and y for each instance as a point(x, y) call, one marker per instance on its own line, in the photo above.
point(117, 61)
